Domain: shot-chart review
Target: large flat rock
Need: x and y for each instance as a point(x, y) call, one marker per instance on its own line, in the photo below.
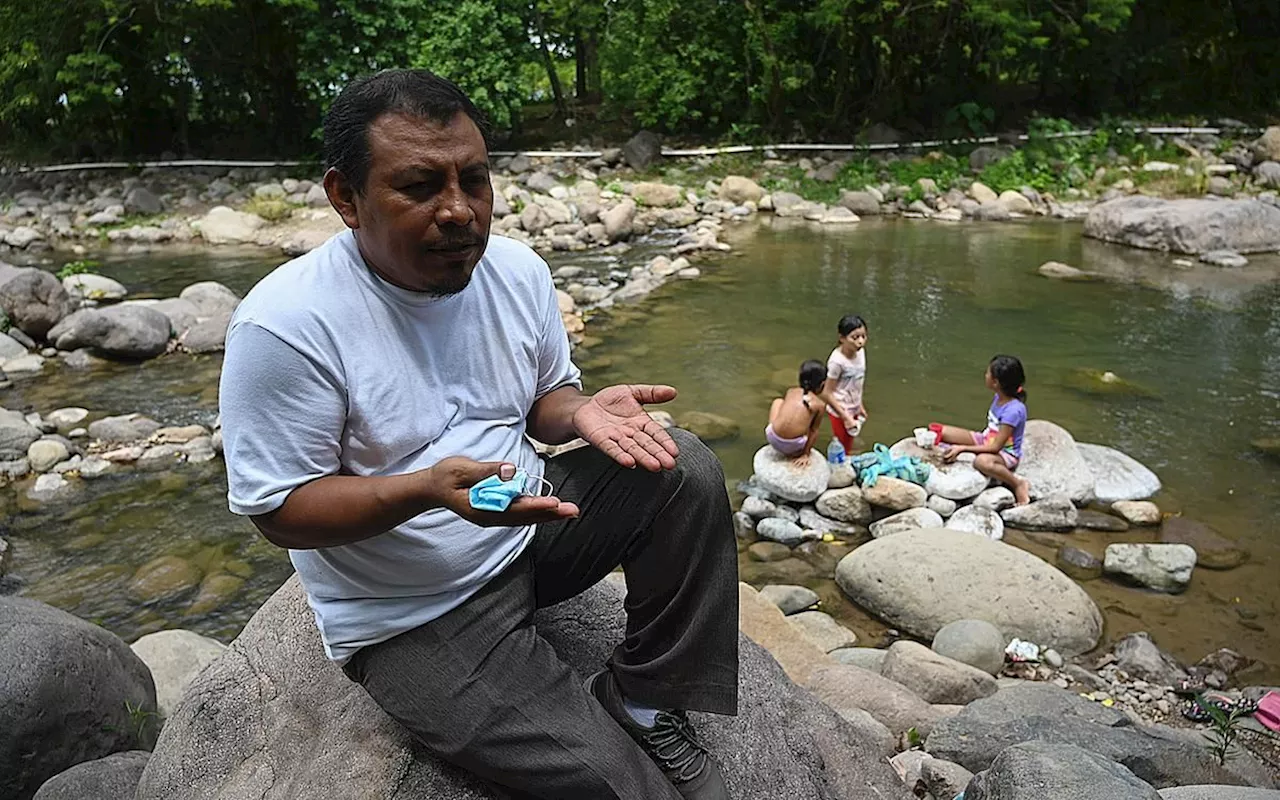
point(976, 736)
point(273, 719)
point(921, 580)
point(1187, 226)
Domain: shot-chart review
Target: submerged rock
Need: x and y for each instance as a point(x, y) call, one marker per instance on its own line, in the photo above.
point(1213, 550)
point(709, 427)
point(1104, 383)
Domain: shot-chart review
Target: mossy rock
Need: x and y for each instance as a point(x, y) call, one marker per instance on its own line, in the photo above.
point(1268, 446)
point(163, 578)
point(86, 542)
point(1102, 383)
point(709, 427)
point(215, 590)
point(239, 568)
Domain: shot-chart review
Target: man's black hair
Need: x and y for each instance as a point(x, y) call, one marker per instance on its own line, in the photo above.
point(850, 323)
point(417, 92)
point(812, 375)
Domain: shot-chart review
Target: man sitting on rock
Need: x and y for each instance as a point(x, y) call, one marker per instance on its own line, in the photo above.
point(369, 384)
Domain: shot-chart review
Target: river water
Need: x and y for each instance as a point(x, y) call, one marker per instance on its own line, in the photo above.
point(1198, 347)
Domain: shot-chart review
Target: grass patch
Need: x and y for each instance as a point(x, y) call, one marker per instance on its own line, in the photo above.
point(130, 220)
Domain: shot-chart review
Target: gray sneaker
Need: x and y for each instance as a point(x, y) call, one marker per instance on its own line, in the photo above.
point(671, 743)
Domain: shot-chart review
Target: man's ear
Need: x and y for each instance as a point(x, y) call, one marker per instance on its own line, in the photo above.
point(342, 196)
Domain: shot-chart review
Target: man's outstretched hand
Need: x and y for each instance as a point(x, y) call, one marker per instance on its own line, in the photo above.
point(614, 420)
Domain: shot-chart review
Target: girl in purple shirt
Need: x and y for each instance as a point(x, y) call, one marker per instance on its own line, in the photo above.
point(999, 446)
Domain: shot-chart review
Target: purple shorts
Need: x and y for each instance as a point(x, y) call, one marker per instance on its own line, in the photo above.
point(1010, 460)
point(788, 447)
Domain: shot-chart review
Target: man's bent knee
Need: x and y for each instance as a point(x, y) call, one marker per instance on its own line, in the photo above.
point(699, 468)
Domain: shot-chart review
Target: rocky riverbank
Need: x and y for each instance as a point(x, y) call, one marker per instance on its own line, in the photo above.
point(953, 717)
point(576, 204)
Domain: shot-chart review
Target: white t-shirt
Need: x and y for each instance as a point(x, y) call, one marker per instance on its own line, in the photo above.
point(329, 369)
point(849, 374)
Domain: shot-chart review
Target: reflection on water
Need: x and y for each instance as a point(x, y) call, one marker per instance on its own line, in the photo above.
point(1203, 346)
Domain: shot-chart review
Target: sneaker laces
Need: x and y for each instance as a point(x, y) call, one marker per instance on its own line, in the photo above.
point(673, 744)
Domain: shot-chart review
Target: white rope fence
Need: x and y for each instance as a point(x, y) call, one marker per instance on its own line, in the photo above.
point(666, 152)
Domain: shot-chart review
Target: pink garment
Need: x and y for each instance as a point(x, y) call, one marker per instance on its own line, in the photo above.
point(1010, 460)
point(788, 447)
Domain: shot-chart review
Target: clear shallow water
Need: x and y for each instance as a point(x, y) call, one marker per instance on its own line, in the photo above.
point(940, 301)
point(1204, 345)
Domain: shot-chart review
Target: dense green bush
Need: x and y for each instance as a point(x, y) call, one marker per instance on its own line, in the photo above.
point(102, 78)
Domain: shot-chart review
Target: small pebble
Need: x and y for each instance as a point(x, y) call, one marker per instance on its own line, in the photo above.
point(1163, 706)
point(1052, 658)
point(1145, 697)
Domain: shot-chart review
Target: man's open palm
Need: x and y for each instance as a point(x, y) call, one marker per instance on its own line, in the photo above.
point(614, 420)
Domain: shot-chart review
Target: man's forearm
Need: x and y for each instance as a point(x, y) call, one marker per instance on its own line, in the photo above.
point(550, 420)
point(342, 509)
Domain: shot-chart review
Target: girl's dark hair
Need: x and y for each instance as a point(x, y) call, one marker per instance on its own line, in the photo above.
point(850, 323)
point(812, 375)
point(1008, 372)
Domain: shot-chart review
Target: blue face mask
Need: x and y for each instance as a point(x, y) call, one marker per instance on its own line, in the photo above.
point(495, 494)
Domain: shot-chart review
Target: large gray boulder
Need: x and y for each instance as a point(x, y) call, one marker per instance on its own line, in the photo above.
point(112, 778)
point(1052, 463)
point(124, 331)
point(1025, 771)
point(921, 580)
point(210, 298)
point(16, 434)
point(273, 719)
point(1117, 476)
point(1186, 226)
point(784, 477)
point(69, 692)
point(35, 301)
point(1041, 712)
point(642, 150)
point(207, 336)
point(1163, 567)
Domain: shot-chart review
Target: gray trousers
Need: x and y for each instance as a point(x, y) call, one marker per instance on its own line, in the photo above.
point(481, 689)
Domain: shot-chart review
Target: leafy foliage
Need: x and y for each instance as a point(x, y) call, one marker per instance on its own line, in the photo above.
point(80, 267)
point(100, 78)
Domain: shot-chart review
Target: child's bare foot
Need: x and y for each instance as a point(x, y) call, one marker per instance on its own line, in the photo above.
point(1022, 492)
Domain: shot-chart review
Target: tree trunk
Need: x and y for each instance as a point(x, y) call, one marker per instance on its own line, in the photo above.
point(557, 90)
